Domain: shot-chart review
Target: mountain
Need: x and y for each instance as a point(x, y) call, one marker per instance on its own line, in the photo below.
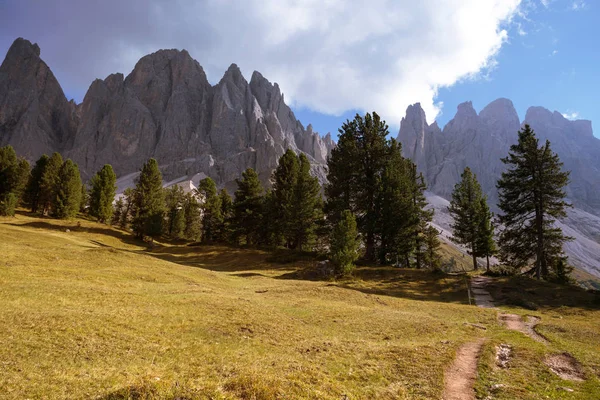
point(165, 108)
point(479, 141)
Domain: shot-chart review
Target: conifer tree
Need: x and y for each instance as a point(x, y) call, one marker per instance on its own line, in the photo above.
point(13, 174)
point(212, 218)
point(33, 189)
point(84, 199)
point(118, 213)
point(486, 245)
point(48, 183)
point(193, 214)
point(397, 217)
point(285, 178)
point(307, 206)
point(128, 209)
point(420, 217)
point(175, 212)
point(344, 244)
point(23, 173)
point(267, 233)
point(148, 202)
point(67, 191)
point(466, 209)
point(102, 194)
point(355, 171)
point(225, 231)
point(248, 207)
point(432, 258)
point(532, 198)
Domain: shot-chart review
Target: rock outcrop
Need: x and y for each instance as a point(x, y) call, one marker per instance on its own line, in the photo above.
point(165, 108)
point(35, 116)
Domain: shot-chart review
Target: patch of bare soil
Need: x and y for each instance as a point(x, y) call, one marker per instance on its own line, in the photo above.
point(566, 366)
point(460, 377)
point(515, 322)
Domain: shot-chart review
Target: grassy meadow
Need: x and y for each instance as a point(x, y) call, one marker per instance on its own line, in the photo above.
point(88, 312)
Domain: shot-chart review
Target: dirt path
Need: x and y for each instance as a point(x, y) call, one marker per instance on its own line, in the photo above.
point(479, 291)
point(515, 322)
point(460, 377)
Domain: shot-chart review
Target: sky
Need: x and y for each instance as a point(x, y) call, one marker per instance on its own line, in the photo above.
point(335, 58)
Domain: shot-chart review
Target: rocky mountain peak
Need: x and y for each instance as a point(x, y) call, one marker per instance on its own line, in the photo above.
point(500, 109)
point(465, 110)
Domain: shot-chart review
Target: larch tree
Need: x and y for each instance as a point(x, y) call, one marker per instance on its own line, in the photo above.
point(465, 208)
point(532, 198)
point(344, 244)
point(102, 194)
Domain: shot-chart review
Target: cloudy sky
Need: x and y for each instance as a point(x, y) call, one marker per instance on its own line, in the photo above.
point(333, 58)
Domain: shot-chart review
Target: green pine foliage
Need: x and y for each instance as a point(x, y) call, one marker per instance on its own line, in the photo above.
point(193, 214)
point(248, 206)
point(128, 204)
point(307, 207)
point(13, 176)
point(175, 212)
point(420, 217)
point(225, 230)
point(432, 258)
point(212, 217)
point(285, 179)
point(33, 189)
point(67, 191)
point(119, 209)
point(486, 245)
point(85, 199)
point(532, 198)
point(148, 202)
point(102, 193)
point(344, 244)
point(49, 182)
point(466, 209)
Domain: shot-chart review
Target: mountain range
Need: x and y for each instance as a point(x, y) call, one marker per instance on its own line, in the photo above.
point(166, 109)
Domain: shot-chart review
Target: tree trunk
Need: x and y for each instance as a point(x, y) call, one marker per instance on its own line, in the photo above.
point(487, 259)
point(474, 261)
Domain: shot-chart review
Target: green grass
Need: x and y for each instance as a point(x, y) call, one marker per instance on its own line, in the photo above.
point(92, 313)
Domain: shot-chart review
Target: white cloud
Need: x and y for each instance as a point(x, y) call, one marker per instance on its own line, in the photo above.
point(328, 55)
point(554, 52)
point(545, 3)
point(578, 5)
point(572, 115)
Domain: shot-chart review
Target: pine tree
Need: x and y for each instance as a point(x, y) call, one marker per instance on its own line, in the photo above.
point(466, 210)
point(431, 257)
point(48, 183)
point(532, 198)
point(148, 203)
point(118, 213)
point(355, 172)
point(397, 217)
point(102, 194)
point(175, 212)
point(225, 231)
point(33, 189)
point(193, 214)
point(128, 209)
point(13, 174)
point(23, 174)
point(486, 246)
point(248, 207)
point(212, 219)
point(285, 178)
point(307, 206)
point(84, 199)
point(67, 191)
point(344, 244)
point(267, 233)
point(419, 216)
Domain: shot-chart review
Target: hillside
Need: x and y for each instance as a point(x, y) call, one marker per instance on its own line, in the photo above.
point(88, 312)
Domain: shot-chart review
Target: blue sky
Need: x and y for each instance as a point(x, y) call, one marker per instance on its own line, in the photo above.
point(551, 59)
point(335, 58)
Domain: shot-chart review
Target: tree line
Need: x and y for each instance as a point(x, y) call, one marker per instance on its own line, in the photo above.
point(374, 208)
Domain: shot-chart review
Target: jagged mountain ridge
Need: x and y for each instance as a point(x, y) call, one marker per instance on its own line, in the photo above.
point(165, 108)
point(479, 141)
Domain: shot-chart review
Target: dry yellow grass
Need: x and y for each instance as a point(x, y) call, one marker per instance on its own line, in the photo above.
point(91, 313)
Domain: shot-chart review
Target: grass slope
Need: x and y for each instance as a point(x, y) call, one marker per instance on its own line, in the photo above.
point(91, 313)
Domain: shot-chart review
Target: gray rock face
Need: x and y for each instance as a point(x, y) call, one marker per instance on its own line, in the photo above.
point(35, 116)
point(165, 108)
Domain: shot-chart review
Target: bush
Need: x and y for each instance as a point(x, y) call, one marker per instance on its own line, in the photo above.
point(8, 205)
